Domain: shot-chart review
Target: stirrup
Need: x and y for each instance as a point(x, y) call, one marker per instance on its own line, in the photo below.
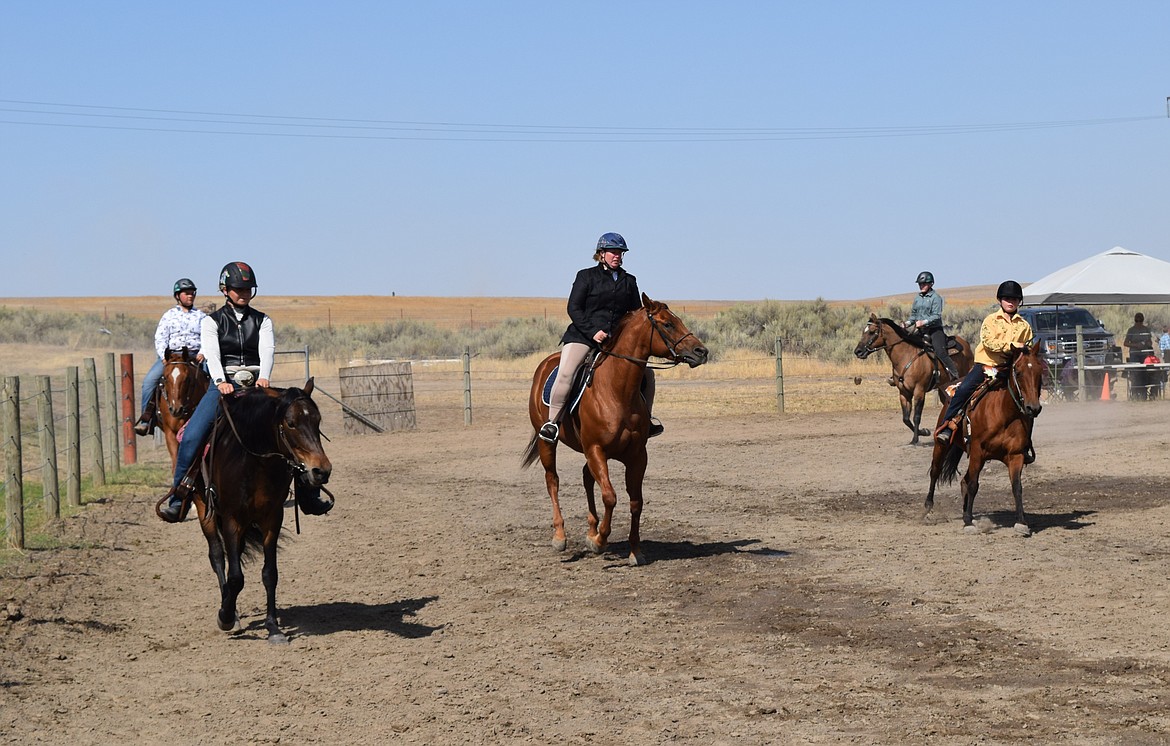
point(944, 433)
point(656, 428)
point(549, 432)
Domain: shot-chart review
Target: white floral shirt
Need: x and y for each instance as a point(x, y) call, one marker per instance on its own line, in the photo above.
point(178, 328)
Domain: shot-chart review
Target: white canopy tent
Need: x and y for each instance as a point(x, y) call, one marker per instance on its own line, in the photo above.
point(1115, 277)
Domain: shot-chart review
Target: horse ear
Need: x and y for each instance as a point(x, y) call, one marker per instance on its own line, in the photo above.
point(873, 317)
point(646, 302)
point(308, 387)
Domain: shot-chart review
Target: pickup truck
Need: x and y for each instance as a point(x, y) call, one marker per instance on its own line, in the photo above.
point(1055, 329)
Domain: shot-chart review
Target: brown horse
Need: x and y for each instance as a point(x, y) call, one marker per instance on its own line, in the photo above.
point(612, 420)
point(262, 440)
point(182, 385)
point(916, 371)
point(998, 427)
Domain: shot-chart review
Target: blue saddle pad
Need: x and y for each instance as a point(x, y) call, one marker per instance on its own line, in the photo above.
point(576, 391)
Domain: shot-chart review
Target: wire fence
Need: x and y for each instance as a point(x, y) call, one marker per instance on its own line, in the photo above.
point(74, 427)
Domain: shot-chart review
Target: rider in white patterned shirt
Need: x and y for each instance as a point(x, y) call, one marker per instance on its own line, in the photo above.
point(178, 328)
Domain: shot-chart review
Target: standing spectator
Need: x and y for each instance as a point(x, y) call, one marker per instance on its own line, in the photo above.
point(1164, 342)
point(1140, 345)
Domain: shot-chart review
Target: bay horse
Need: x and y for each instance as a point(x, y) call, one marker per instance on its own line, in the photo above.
point(183, 384)
point(915, 370)
point(998, 426)
point(262, 440)
point(612, 420)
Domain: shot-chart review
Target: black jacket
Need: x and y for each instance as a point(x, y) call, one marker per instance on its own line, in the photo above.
point(597, 302)
point(239, 341)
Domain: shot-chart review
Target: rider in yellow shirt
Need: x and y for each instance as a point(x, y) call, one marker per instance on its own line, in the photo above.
point(1001, 331)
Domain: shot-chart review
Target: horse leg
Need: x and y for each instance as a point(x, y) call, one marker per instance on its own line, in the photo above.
point(270, 576)
point(936, 461)
point(598, 535)
point(906, 419)
point(919, 401)
point(215, 551)
point(635, 472)
point(552, 482)
point(1015, 465)
point(172, 444)
point(970, 488)
point(228, 619)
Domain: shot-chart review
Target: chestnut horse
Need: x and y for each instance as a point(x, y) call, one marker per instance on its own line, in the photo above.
point(916, 371)
point(183, 384)
point(997, 427)
point(262, 440)
point(612, 420)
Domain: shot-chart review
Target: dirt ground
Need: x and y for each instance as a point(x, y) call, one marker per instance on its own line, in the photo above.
point(793, 595)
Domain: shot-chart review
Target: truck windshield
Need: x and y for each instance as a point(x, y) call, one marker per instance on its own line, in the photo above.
point(1068, 319)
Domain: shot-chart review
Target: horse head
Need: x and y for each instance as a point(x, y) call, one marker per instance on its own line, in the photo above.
point(298, 430)
point(1027, 378)
point(871, 336)
point(183, 382)
point(672, 339)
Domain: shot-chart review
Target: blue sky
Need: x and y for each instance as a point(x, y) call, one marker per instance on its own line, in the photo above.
point(746, 150)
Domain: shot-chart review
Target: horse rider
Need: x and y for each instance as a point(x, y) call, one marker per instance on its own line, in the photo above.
point(601, 295)
point(235, 336)
point(1000, 332)
point(926, 318)
point(178, 328)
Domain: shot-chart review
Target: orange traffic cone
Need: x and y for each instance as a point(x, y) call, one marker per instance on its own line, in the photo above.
point(1105, 389)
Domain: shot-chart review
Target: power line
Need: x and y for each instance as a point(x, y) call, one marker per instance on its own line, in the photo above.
point(270, 125)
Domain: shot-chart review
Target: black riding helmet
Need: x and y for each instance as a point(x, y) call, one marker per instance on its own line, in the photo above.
point(237, 275)
point(611, 242)
point(924, 278)
point(1009, 289)
point(183, 285)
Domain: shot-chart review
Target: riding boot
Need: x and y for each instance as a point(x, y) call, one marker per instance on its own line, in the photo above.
point(146, 422)
point(945, 432)
point(172, 508)
point(949, 363)
point(656, 428)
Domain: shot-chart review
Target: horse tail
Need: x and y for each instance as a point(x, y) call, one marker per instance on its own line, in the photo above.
point(531, 453)
point(252, 544)
point(951, 461)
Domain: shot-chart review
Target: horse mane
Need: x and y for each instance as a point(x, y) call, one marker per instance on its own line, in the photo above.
point(913, 339)
point(254, 410)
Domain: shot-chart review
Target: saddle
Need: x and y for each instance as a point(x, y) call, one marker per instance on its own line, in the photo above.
point(582, 378)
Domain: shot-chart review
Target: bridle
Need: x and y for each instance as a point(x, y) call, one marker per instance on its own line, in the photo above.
point(186, 409)
point(671, 347)
point(1015, 390)
point(877, 334)
point(284, 449)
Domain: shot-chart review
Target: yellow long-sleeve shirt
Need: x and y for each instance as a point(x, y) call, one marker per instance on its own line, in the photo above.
point(996, 336)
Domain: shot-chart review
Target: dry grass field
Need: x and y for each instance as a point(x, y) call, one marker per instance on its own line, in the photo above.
point(342, 310)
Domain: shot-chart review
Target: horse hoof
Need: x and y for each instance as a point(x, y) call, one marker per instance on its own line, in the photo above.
point(970, 529)
point(637, 559)
point(560, 544)
point(232, 625)
point(277, 638)
point(923, 431)
point(594, 545)
point(1022, 529)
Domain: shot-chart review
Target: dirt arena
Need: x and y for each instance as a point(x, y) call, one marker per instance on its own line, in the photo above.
point(793, 595)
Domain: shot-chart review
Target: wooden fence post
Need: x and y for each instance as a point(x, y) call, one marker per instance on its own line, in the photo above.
point(129, 442)
point(110, 414)
point(48, 431)
point(779, 374)
point(72, 437)
point(13, 486)
point(95, 421)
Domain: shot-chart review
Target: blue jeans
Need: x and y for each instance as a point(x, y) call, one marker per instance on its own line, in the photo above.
point(150, 381)
point(197, 429)
point(966, 388)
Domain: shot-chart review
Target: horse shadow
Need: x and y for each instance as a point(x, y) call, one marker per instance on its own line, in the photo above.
point(666, 551)
point(354, 616)
point(1070, 521)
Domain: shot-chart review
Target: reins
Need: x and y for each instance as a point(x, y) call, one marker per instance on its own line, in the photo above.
point(671, 347)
